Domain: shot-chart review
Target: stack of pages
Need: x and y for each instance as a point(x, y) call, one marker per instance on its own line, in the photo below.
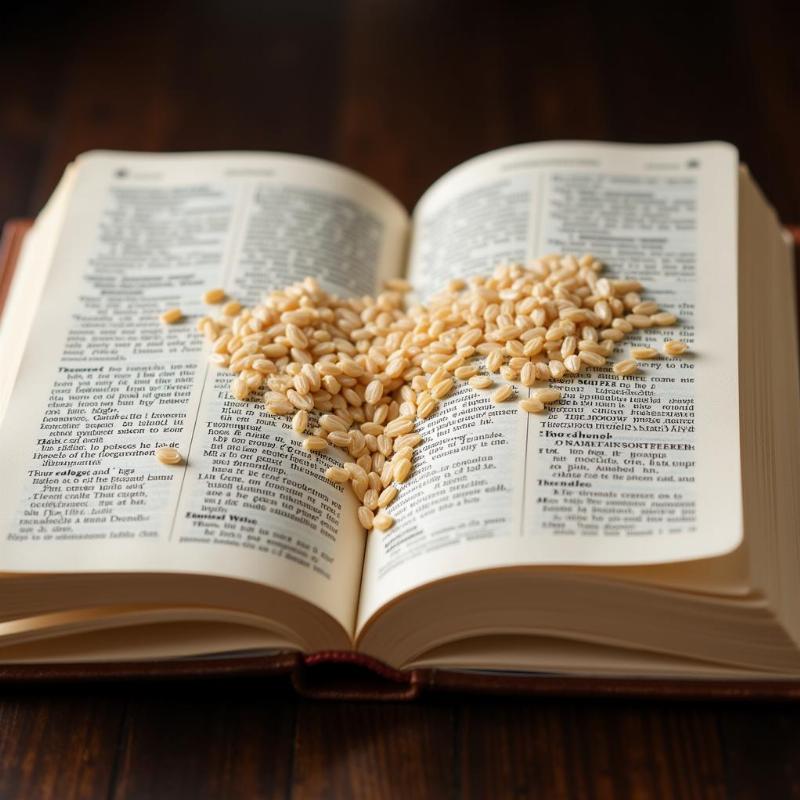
point(645, 526)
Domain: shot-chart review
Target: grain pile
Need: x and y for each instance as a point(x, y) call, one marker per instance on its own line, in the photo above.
point(357, 373)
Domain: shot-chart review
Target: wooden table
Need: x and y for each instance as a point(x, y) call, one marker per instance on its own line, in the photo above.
point(401, 91)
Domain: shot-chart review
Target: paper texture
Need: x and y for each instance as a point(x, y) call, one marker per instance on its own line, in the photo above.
point(636, 471)
point(103, 382)
point(629, 471)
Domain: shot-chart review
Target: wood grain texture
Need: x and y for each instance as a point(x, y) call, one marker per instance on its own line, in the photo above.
point(372, 751)
point(184, 742)
point(571, 750)
point(58, 743)
point(402, 91)
point(761, 745)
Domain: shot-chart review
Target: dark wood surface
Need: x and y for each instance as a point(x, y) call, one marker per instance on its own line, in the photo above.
point(401, 91)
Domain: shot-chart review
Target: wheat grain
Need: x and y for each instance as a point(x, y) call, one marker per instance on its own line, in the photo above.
point(480, 382)
point(366, 517)
point(503, 393)
point(398, 285)
point(364, 369)
point(300, 421)
point(639, 320)
point(674, 347)
point(592, 359)
point(371, 495)
point(557, 369)
point(531, 405)
point(626, 367)
point(398, 427)
point(169, 455)
point(407, 440)
point(279, 407)
point(494, 361)
point(401, 469)
point(403, 452)
point(466, 372)
point(427, 407)
point(573, 364)
point(339, 439)
point(337, 474)
point(664, 319)
point(648, 308)
point(239, 389)
point(546, 395)
point(213, 296)
point(387, 496)
point(442, 389)
point(382, 522)
point(171, 316)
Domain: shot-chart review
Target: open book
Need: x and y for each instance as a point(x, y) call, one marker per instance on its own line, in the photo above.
point(645, 526)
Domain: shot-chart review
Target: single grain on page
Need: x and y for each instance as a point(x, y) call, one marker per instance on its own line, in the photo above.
point(169, 455)
point(360, 373)
point(213, 296)
point(675, 347)
point(171, 316)
point(643, 353)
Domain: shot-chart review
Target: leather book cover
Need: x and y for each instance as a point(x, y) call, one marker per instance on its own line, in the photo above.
point(352, 676)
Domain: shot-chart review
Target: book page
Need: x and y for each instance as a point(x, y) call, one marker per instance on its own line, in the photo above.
point(103, 383)
point(633, 471)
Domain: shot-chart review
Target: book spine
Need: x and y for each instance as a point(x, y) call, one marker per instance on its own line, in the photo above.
point(344, 675)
